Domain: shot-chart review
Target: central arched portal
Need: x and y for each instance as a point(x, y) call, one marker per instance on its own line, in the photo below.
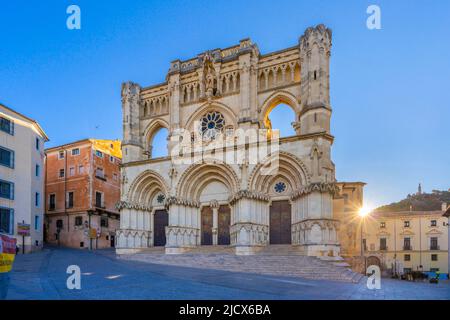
point(215, 225)
point(280, 222)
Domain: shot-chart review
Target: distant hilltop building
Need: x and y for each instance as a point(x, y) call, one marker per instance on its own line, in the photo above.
point(21, 178)
point(82, 188)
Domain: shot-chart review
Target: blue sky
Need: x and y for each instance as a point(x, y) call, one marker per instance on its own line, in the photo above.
point(390, 88)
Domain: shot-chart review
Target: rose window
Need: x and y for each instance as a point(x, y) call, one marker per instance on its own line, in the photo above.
point(280, 187)
point(212, 124)
point(160, 198)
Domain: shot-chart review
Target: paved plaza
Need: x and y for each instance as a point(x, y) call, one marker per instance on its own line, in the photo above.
point(43, 276)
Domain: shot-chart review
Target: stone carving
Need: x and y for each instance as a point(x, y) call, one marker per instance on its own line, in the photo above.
point(321, 187)
point(133, 205)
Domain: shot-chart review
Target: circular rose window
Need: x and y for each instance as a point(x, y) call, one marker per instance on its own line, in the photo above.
point(212, 124)
point(280, 187)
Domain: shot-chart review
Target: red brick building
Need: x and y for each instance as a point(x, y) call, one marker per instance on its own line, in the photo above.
point(82, 187)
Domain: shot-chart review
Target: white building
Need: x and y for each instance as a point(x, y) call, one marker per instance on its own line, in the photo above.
point(21, 177)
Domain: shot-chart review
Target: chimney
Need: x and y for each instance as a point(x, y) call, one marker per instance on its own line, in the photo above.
point(444, 206)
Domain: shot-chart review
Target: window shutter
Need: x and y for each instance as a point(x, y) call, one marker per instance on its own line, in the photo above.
point(12, 159)
point(12, 127)
point(12, 191)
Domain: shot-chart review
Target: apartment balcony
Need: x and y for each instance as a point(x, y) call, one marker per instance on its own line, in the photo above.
point(435, 248)
point(407, 248)
point(383, 248)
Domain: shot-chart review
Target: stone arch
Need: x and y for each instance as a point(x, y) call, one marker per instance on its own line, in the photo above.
point(198, 176)
point(227, 112)
point(290, 167)
point(278, 97)
point(145, 186)
point(150, 131)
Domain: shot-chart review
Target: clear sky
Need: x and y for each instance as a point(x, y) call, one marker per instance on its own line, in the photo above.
point(390, 88)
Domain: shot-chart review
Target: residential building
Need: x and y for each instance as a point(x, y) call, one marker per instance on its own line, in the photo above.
point(21, 178)
point(407, 241)
point(82, 188)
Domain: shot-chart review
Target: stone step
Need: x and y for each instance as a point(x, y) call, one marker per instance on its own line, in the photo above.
point(283, 265)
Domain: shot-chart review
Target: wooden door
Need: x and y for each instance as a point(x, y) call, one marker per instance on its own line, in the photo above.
point(224, 225)
point(161, 221)
point(207, 224)
point(280, 222)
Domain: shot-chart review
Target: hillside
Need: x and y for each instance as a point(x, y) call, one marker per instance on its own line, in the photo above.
point(419, 202)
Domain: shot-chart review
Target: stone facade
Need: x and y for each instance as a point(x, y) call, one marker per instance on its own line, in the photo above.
point(222, 95)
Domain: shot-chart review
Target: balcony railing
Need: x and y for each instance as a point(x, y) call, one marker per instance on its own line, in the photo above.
point(383, 248)
point(407, 248)
point(435, 247)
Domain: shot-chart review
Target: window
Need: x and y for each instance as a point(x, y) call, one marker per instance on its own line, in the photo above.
point(434, 257)
point(115, 176)
point(99, 173)
point(37, 223)
point(80, 169)
point(407, 270)
point(6, 157)
point(81, 244)
point(111, 159)
point(99, 199)
point(71, 171)
point(61, 173)
point(212, 124)
point(407, 244)
point(61, 155)
point(364, 244)
point(383, 244)
point(59, 224)
point(407, 257)
point(99, 153)
point(75, 152)
point(434, 243)
point(37, 199)
point(434, 269)
point(6, 220)
point(78, 221)
point(104, 222)
point(37, 144)
point(406, 224)
point(6, 190)
point(52, 202)
point(7, 126)
point(38, 170)
point(382, 225)
point(69, 200)
point(433, 223)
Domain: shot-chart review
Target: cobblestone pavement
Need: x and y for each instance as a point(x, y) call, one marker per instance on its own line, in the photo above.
point(43, 276)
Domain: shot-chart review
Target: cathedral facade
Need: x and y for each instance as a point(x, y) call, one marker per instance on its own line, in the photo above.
point(228, 178)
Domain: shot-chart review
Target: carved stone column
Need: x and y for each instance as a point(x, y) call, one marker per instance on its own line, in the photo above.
point(215, 228)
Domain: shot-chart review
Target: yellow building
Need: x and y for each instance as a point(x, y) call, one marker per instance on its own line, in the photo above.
point(412, 240)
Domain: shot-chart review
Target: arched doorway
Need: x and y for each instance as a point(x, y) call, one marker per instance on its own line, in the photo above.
point(216, 219)
point(280, 222)
point(160, 222)
point(373, 261)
